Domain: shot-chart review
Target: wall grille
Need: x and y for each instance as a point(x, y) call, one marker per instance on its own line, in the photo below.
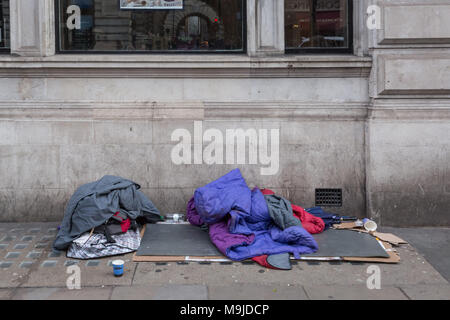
point(329, 197)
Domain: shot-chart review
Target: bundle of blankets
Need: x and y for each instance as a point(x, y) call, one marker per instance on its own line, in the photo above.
point(93, 205)
point(254, 224)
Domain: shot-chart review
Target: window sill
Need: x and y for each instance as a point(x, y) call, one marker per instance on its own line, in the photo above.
point(185, 66)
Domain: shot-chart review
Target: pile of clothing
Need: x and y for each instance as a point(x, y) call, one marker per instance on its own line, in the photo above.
point(103, 217)
point(257, 224)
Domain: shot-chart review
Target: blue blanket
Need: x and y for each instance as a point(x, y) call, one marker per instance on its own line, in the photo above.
point(246, 212)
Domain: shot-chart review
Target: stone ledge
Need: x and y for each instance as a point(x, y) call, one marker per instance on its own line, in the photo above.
point(185, 66)
point(195, 110)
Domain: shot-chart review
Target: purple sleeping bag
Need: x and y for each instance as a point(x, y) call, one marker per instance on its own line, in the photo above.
point(239, 222)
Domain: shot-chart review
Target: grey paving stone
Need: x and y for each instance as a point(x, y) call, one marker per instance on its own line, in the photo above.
point(62, 294)
point(428, 292)
point(13, 255)
point(432, 243)
point(256, 292)
point(338, 292)
point(17, 230)
point(26, 264)
point(5, 264)
point(34, 230)
point(3, 246)
point(8, 238)
point(52, 230)
point(46, 238)
point(49, 263)
point(20, 246)
point(55, 254)
point(165, 292)
point(41, 245)
point(5, 294)
point(92, 263)
point(90, 276)
point(70, 263)
point(34, 254)
point(27, 238)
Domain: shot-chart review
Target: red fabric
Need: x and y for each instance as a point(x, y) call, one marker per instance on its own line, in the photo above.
point(311, 223)
point(125, 224)
point(262, 260)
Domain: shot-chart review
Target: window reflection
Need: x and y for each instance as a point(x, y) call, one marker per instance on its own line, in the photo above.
point(202, 25)
point(4, 24)
point(316, 24)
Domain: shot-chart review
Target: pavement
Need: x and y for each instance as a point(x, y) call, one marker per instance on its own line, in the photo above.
point(31, 270)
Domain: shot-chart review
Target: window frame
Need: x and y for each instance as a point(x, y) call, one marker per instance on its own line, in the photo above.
point(7, 50)
point(58, 49)
point(348, 50)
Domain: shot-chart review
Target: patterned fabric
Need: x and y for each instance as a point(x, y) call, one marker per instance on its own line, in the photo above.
point(96, 246)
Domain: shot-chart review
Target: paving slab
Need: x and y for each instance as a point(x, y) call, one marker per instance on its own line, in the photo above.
point(165, 292)
point(62, 294)
point(34, 276)
point(412, 269)
point(5, 294)
point(432, 243)
point(91, 275)
point(340, 292)
point(12, 276)
point(428, 292)
point(256, 292)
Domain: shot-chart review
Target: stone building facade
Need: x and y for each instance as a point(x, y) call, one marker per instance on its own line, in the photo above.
point(374, 123)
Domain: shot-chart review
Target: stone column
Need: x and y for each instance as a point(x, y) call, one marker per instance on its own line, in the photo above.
point(32, 28)
point(265, 27)
point(407, 136)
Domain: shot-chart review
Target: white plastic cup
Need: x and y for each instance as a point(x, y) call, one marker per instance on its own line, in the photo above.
point(369, 225)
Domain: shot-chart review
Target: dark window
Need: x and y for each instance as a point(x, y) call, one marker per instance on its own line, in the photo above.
point(4, 25)
point(318, 25)
point(144, 26)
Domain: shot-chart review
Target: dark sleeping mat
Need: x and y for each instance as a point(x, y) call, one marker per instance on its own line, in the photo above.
point(347, 243)
point(189, 240)
point(176, 240)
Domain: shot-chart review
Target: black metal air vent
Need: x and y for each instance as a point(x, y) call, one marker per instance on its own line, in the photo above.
point(329, 197)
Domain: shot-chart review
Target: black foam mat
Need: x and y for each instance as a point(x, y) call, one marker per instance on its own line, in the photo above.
point(188, 240)
point(347, 243)
point(176, 240)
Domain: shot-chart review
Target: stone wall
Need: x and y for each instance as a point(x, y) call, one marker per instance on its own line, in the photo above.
point(375, 123)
